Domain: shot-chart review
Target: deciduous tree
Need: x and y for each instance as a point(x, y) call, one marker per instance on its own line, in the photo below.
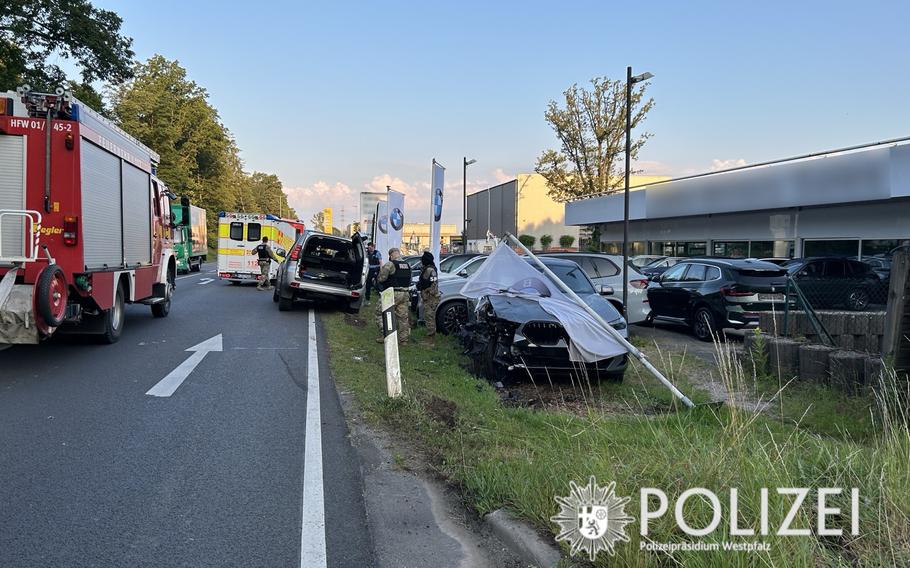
point(590, 127)
point(32, 32)
point(546, 241)
point(566, 241)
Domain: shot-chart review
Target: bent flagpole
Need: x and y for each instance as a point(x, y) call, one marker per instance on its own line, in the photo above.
point(390, 339)
point(613, 333)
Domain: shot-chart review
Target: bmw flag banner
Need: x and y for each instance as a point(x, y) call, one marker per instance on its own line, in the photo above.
point(437, 185)
point(381, 230)
point(395, 217)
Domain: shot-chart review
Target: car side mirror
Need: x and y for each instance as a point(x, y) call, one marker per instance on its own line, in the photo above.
point(802, 273)
point(657, 278)
point(463, 273)
point(606, 290)
point(281, 252)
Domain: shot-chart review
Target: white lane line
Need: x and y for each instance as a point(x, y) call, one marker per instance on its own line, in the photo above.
point(312, 527)
point(166, 386)
point(205, 281)
point(189, 276)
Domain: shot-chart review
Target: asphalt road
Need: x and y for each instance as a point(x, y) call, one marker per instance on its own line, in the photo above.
point(95, 472)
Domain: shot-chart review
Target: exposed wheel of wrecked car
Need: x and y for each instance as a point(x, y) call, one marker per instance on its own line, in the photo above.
point(451, 316)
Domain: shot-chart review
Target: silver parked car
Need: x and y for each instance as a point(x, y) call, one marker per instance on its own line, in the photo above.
point(323, 267)
point(604, 270)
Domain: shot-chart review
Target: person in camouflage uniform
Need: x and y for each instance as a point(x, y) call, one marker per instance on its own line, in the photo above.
point(396, 274)
point(428, 285)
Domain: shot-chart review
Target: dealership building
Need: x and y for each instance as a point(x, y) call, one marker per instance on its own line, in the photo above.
point(848, 202)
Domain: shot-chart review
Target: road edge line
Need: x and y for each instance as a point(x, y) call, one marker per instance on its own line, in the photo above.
point(312, 521)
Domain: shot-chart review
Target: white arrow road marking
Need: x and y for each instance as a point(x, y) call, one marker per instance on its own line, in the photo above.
point(175, 378)
point(205, 281)
point(312, 528)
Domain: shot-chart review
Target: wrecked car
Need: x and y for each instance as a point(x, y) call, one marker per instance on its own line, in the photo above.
point(510, 334)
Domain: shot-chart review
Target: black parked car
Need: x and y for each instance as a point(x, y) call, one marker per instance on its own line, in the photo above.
point(660, 265)
point(835, 282)
point(710, 294)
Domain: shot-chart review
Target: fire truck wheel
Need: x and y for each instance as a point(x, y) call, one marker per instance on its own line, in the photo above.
point(162, 309)
point(50, 295)
point(113, 319)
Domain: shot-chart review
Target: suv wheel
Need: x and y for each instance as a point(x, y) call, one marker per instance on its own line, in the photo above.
point(703, 324)
point(858, 300)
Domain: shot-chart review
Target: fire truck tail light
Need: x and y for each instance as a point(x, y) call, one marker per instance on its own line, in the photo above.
point(70, 231)
point(68, 141)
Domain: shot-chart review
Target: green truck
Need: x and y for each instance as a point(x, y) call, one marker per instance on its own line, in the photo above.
point(190, 235)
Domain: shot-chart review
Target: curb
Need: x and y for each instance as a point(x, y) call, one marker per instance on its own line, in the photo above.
point(523, 540)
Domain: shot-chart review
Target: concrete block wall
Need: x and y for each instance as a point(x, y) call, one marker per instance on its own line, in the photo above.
point(857, 331)
point(850, 371)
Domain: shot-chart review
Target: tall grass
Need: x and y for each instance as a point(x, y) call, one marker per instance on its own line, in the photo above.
point(521, 458)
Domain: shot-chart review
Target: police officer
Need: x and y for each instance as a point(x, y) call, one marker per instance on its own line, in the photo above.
point(396, 274)
point(428, 286)
point(265, 254)
point(375, 260)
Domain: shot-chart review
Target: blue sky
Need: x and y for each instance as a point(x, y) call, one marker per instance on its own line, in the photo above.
point(340, 97)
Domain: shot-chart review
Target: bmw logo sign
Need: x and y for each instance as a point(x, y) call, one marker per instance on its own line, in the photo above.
point(396, 219)
point(437, 204)
point(384, 224)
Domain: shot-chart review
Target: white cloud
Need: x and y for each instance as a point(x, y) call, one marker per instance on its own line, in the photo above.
point(502, 177)
point(311, 199)
point(718, 165)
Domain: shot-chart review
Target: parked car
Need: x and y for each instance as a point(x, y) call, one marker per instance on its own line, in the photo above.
point(880, 265)
point(710, 294)
point(604, 270)
point(659, 266)
point(778, 260)
point(642, 260)
point(835, 282)
point(453, 262)
point(452, 310)
point(509, 333)
point(325, 268)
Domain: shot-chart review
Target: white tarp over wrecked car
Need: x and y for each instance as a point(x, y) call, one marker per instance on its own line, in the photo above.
point(504, 272)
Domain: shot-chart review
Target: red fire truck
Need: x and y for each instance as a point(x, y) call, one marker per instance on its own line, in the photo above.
point(84, 221)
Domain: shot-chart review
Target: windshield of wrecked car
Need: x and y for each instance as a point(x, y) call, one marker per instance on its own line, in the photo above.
point(574, 277)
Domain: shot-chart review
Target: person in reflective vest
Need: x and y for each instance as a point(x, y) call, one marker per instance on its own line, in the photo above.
point(428, 286)
point(266, 255)
point(396, 274)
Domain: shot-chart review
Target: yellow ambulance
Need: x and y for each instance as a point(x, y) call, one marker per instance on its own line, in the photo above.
point(240, 233)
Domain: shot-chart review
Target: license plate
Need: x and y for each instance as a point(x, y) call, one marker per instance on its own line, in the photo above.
point(771, 297)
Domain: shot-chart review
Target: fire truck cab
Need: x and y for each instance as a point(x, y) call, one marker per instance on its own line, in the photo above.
point(84, 221)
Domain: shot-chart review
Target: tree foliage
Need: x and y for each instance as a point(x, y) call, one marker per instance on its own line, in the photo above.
point(590, 127)
point(546, 241)
point(34, 31)
point(317, 223)
point(566, 241)
point(170, 113)
point(527, 240)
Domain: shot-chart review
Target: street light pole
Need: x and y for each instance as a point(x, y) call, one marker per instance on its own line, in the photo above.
point(464, 227)
point(630, 81)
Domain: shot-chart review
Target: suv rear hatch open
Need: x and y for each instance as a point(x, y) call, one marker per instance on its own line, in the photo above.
point(332, 261)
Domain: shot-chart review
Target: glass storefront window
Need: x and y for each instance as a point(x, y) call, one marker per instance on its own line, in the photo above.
point(699, 248)
point(731, 249)
point(771, 249)
point(882, 246)
point(831, 248)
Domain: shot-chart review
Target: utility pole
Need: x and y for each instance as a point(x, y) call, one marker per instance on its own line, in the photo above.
point(464, 226)
point(630, 81)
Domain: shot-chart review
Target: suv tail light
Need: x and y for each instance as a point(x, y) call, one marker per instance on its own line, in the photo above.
point(70, 230)
point(640, 284)
point(736, 293)
point(295, 252)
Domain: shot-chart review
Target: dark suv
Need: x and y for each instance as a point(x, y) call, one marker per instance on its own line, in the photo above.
point(835, 282)
point(710, 294)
